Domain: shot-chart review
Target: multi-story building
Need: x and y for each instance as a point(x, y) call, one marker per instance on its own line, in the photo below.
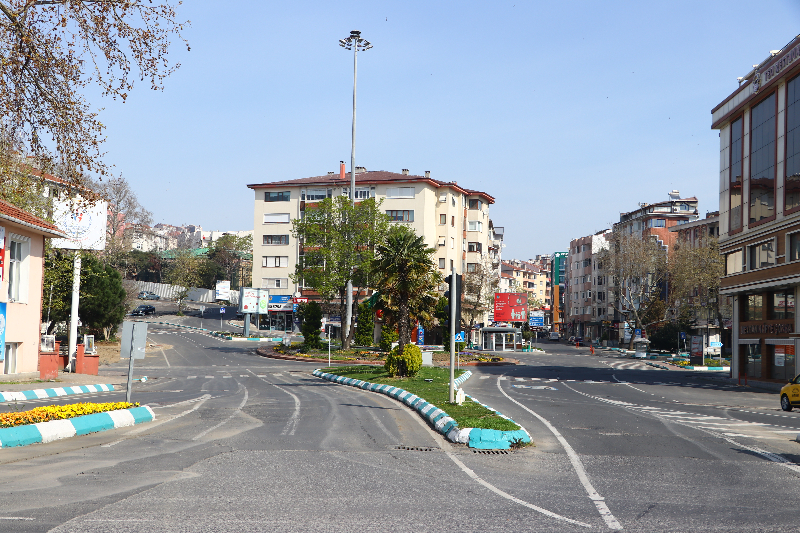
point(453, 219)
point(586, 300)
point(656, 219)
point(759, 221)
point(558, 266)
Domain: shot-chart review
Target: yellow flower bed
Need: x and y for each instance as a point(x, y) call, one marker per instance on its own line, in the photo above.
point(59, 412)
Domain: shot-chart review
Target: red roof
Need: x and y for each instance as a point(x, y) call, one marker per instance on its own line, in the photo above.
point(368, 178)
point(15, 214)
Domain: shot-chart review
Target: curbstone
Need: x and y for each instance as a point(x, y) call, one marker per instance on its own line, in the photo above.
point(44, 432)
point(39, 394)
point(488, 439)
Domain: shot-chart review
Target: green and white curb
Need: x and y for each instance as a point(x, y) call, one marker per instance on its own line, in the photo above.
point(44, 432)
point(489, 439)
point(38, 394)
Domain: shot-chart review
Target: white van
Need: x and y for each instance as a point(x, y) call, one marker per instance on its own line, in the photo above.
point(554, 336)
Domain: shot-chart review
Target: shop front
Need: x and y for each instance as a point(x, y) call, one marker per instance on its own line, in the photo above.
point(766, 342)
point(501, 339)
point(281, 314)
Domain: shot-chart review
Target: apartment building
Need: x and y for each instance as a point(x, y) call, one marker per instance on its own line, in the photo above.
point(655, 220)
point(759, 220)
point(586, 294)
point(454, 220)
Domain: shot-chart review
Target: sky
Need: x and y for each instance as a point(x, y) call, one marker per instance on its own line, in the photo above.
point(567, 113)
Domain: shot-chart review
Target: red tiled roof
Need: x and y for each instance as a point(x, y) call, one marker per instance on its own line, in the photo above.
point(15, 214)
point(370, 177)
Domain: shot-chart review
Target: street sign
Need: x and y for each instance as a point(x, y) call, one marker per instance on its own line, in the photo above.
point(222, 310)
point(460, 336)
point(683, 335)
point(536, 319)
point(715, 344)
point(133, 340)
point(637, 332)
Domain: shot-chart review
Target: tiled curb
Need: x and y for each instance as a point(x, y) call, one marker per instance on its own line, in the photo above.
point(63, 429)
point(38, 394)
point(488, 439)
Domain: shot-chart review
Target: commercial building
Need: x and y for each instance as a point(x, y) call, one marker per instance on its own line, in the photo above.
point(558, 278)
point(454, 220)
point(759, 220)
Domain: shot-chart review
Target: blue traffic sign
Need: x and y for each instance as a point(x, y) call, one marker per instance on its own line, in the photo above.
point(460, 336)
point(715, 344)
point(683, 335)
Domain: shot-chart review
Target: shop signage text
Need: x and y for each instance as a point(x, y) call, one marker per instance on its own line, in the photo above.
point(766, 328)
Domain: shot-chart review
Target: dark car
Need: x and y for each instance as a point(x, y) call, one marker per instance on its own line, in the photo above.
point(143, 310)
point(147, 295)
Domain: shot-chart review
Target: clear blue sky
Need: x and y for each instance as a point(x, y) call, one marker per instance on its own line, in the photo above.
point(568, 113)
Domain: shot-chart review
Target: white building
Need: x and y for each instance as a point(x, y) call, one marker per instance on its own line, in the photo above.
point(454, 220)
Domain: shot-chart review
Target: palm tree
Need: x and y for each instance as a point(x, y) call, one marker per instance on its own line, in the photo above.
point(407, 278)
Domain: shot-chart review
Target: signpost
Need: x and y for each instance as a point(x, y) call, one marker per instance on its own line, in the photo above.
point(202, 313)
point(221, 314)
point(132, 346)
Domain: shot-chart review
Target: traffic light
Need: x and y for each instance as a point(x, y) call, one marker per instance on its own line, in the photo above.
point(451, 294)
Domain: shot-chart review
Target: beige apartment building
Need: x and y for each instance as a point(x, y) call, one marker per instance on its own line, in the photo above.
point(453, 219)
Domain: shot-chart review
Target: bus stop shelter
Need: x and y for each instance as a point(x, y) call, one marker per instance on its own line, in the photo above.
point(500, 339)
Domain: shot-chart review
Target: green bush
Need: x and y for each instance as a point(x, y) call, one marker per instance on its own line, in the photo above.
point(311, 316)
point(388, 336)
point(365, 325)
point(407, 363)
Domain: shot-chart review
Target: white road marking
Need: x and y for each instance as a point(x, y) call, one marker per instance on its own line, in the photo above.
point(209, 377)
point(235, 412)
point(484, 377)
point(199, 401)
point(291, 424)
point(598, 500)
point(191, 377)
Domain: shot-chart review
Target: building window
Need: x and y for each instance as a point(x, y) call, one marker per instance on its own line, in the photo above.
point(475, 204)
point(737, 127)
point(274, 283)
point(782, 305)
point(475, 225)
point(452, 243)
point(406, 215)
point(474, 247)
point(442, 220)
point(472, 267)
point(734, 262)
point(762, 160)
point(656, 223)
point(792, 165)
point(753, 307)
point(316, 194)
point(441, 263)
point(276, 218)
point(362, 193)
point(275, 239)
point(794, 247)
point(275, 261)
point(284, 196)
point(400, 192)
point(760, 255)
point(15, 257)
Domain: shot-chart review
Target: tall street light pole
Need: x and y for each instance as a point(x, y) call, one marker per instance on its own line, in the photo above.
point(355, 43)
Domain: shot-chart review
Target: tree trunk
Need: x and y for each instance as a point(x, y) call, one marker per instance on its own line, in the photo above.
point(404, 335)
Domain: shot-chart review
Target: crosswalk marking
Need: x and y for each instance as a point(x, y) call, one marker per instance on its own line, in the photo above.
point(227, 376)
point(192, 377)
point(263, 376)
point(209, 377)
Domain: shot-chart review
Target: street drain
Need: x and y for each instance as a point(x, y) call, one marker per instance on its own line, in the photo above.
point(414, 448)
point(491, 452)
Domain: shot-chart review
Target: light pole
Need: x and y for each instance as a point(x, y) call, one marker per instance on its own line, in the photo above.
point(355, 43)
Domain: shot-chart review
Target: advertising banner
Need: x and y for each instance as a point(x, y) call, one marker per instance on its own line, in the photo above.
point(263, 301)
point(2, 250)
point(223, 290)
point(510, 307)
point(697, 346)
point(248, 300)
point(2, 331)
point(84, 224)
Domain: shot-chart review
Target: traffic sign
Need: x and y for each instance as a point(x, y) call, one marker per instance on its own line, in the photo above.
point(715, 344)
point(637, 332)
point(460, 336)
point(683, 335)
point(536, 319)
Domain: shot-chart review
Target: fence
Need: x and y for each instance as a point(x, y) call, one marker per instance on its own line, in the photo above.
point(169, 292)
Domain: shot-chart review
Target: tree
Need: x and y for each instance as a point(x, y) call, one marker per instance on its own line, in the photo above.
point(184, 273)
point(57, 288)
point(365, 327)
point(228, 252)
point(638, 267)
point(407, 279)
point(479, 287)
point(124, 210)
point(51, 51)
point(102, 302)
point(310, 315)
point(339, 242)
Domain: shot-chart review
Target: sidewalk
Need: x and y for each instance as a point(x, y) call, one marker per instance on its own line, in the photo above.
point(65, 379)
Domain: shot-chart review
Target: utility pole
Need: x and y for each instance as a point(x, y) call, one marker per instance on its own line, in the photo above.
point(355, 43)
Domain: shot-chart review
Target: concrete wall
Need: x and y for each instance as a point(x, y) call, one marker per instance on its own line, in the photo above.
point(167, 291)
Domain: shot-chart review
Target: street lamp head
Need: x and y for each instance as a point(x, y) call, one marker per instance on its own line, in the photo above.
point(354, 41)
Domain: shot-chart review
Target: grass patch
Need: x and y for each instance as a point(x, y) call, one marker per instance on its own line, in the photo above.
point(19, 382)
point(468, 415)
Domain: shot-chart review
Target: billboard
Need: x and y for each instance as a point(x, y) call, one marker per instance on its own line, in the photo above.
point(85, 224)
point(510, 307)
point(254, 301)
point(223, 291)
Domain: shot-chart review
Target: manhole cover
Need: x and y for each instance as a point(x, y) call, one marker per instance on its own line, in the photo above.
point(415, 448)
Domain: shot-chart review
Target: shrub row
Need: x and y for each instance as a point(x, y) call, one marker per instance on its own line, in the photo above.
point(59, 412)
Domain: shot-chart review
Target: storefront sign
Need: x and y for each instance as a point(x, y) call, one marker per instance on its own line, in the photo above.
point(779, 66)
point(766, 328)
point(780, 355)
point(281, 302)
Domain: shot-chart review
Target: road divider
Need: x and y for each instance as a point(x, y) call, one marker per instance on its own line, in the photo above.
point(39, 394)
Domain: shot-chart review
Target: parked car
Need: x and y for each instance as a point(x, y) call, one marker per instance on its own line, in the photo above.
point(554, 336)
point(147, 295)
point(790, 394)
point(143, 310)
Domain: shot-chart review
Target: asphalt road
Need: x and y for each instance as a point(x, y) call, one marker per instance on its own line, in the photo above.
point(244, 443)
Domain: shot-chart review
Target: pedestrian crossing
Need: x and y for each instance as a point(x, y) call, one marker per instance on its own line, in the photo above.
point(228, 376)
point(628, 365)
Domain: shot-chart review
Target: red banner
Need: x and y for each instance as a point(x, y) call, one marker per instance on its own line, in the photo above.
point(510, 307)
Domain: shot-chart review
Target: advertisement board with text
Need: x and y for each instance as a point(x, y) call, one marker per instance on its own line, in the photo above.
point(510, 307)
